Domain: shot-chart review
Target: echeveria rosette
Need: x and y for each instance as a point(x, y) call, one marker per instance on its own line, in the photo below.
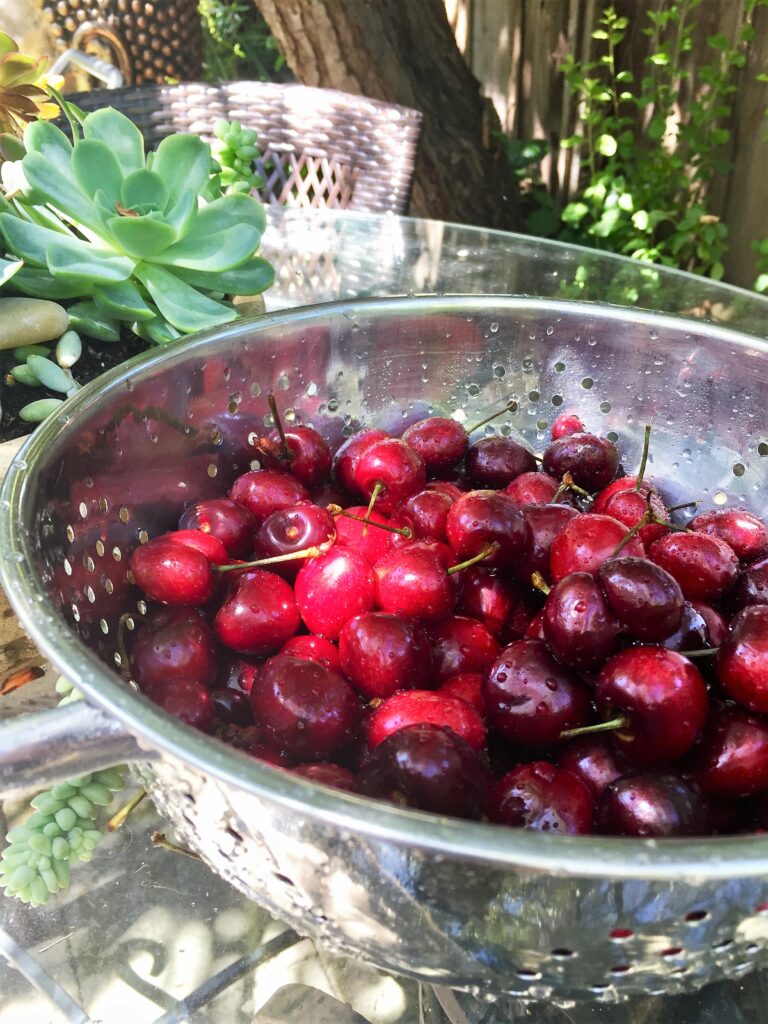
point(141, 239)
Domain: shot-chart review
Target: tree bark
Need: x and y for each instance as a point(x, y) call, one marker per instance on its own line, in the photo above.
point(405, 52)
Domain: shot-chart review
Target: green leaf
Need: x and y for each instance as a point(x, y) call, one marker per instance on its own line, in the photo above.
point(761, 284)
point(29, 241)
point(48, 168)
point(144, 191)
point(657, 127)
point(39, 284)
point(660, 59)
point(87, 318)
point(120, 134)
point(600, 33)
point(606, 144)
point(77, 261)
point(181, 215)
point(156, 331)
point(96, 169)
point(184, 307)
point(641, 220)
point(251, 278)
point(142, 237)
point(184, 164)
point(122, 301)
point(223, 250)
point(574, 213)
point(8, 268)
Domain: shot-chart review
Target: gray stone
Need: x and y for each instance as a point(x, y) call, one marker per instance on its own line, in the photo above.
point(29, 321)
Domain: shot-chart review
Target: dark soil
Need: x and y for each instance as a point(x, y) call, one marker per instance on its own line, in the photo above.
point(97, 357)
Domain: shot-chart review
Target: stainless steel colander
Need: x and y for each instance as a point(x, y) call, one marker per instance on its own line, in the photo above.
point(467, 905)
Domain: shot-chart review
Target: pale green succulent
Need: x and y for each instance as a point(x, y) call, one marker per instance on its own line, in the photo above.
point(149, 240)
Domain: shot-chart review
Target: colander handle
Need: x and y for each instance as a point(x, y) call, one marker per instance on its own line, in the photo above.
point(46, 747)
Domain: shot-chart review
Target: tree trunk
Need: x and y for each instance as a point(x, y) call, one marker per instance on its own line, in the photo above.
point(405, 52)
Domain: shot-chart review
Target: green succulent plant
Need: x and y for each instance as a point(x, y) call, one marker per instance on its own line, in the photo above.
point(145, 239)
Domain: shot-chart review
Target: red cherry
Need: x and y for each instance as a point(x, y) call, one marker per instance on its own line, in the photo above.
point(258, 615)
point(532, 489)
point(692, 634)
point(327, 774)
point(731, 760)
point(480, 518)
point(414, 582)
point(461, 644)
point(174, 644)
point(742, 664)
point(313, 648)
point(205, 543)
point(445, 487)
point(468, 686)
point(392, 466)
point(646, 600)
point(579, 625)
point(717, 626)
point(545, 522)
point(496, 461)
point(652, 804)
point(420, 707)
point(382, 653)
point(535, 630)
point(751, 587)
point(587, 542)
point(304, 707)
point(311, 456)
point(294, 529)
point(663, 697)
point(235, 673)
point(704, 566)
point(332, 588)
point(426, 513)
point(744, 533)
point(490, 598)
point(346, 456)
point(592, 461)
point(630, 506)
point(530, 699)
point(565, 424)
point(371, 543)
point(225, 520)
point(544, 798)
point(440, 442)
point(594, 761)
point(265, 491)
point(624, 483)
point(174, 574)
point(232, 707)
point(184, 699)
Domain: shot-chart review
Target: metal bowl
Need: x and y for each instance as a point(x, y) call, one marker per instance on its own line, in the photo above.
point(474, 906)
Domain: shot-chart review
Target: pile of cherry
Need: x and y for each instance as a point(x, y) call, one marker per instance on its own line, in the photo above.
point(469, 630)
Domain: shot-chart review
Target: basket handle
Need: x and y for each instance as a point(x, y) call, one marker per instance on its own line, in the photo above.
point(41, 749)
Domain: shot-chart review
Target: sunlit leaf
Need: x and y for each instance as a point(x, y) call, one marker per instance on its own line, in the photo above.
point(182, 305)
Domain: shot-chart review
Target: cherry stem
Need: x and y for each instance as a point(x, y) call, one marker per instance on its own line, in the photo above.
point(493, 547)
point(158, 839)
point(702, 653)
point(567, 484)
point(122, 650)
point(403, 531)
point(620, 722)
point(287, 454)
point(644, 459)
point(684, 504)
point(493, 416)
point(120, 816)
point(540, 583)
point(377, 489)
point(292, 556)
point(631, 533)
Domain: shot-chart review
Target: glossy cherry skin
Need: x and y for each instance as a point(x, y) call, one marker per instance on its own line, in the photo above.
point(592, 461)
point(646, 600)
point(232, 707)
point(496, 461)
point(265, 491)
point(429, 768)
point(489, 597)
point(185, 699)
point(311, 456)
point(304, 708)
point(226, 520)
point(692, 634)
point(395, 466)
point(468, 686)
point(594, 761)
point(346, 456)
point(313, 648)
point(704, 566)
point(440, 442)
point(371, 543)
point(418, 707)
point(743, 532)
point(327, 774)
point(629, 506)
point(294, 529)
point(544, 798)
point(579, 625)
point(174, 644)
point(235, 672)
point(532, 488)
point(174, 574)
point(530, 699)
point(205, 543)
point(751, 587)
point(587, 542)
point(414, 582)
point(742, 664)
point(567, 423)
point(381, 653)
point(652, 804)
point(258, 615)
point(624, 483)
point(480, 518)
point(426, 513)
point(461, 644)
point(664, 697)
point(545, 523)
point(716, 624)
point(332, 588)
point(731, 760)
point(448, 487)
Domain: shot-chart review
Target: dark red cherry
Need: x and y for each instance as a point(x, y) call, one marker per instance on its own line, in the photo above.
point(544, 798)
point(174, 644)
point(185, 699)
point(461, 644)
point(381, 653)
point(545, 522)
point(225, 520)
point(743, 532)
point(394, 467)
point(481, 518)
point(445, 487)
point(496, 461)
point(426, 513)
point(418, 707)
point(258, 615)
point(489, 597)
point(731, 760)
point(205, 543)
point(346, 456)
point(331, 493)
point(429, 768)
point(371, 543)
point(414, 582)
point(531, 699)
point(624, 483)
point(751, 586)
point(235, 672)
point(594, 761)
point(174, 574)
point(566, 423)
point(630, 507)
point(742, 664)
point(592, 461)
point(704, 566)
point(294, 529)
point(313, 648)
point(535, 630)
point(468, 686)
point(587, 542)
point(311, 456)
point(717, 626)
point(332, 588)
point(652, 804)
point(440, 442)
point(265, 491)
point(646, 600)
point(232, 707)
point(663, 697)
point(532, 488)
point(692, 634)
point(304, 707)
point(327, 774)
point(579, 625)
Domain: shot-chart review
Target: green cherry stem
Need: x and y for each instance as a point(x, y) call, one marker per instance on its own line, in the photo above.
point(378, 487)
point(620, 722)
point(495, 415)
point(402, 531)
point(292, 556)
point(489, 550)
point(703, 652)
point(644, 459)
point(684, 504)
point(119, 817)
point(540, 583)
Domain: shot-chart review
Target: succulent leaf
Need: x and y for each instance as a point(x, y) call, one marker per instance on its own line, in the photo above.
point(183, 306)
point(184, 164)
point(252, 278)
point(88, 318)
point(122, 301)
point(144, 191)
point(8, 268)
point(96, 169)
point(120, 134)
point(223, 250)
point(77, 261)
point(40, 284)
point(141, 237)
point(181, 215)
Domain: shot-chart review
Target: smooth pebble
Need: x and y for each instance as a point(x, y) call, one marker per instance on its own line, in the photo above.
point(29, 321)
